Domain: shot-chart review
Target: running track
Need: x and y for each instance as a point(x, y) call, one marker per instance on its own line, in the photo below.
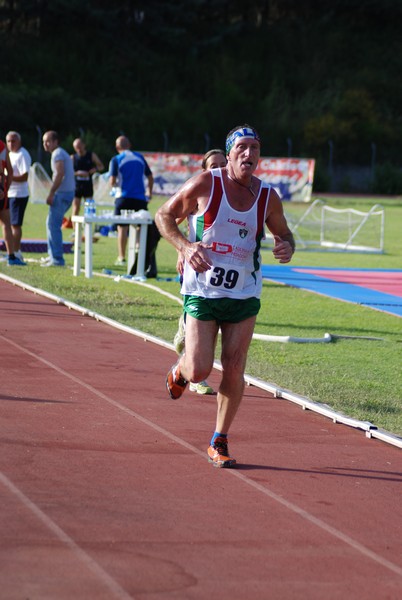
point(106, 491)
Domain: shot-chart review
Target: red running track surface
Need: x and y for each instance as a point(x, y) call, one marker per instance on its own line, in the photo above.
point(106, 491)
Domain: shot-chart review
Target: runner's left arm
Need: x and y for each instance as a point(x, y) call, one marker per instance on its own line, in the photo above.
point(284, 243)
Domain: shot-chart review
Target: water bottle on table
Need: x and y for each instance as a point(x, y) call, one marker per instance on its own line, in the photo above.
point(89, 207)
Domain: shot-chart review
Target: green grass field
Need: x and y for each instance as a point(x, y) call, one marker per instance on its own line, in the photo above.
point(357, 377)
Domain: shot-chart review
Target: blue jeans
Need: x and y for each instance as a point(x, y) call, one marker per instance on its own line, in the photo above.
point(61, 203)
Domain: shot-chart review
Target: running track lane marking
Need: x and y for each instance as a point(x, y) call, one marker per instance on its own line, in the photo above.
point(346, 539)
point(89, 562)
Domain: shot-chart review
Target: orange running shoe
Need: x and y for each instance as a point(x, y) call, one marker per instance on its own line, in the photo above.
point(175, 383)
point(218, 454)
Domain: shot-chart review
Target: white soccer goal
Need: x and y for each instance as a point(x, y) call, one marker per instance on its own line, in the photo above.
point(102, 189)
point(39, 186)
point(306, 228)
point(323, 227)
point(353, 230)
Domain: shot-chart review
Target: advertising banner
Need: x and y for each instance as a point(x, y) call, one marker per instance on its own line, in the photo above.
point(291, 177)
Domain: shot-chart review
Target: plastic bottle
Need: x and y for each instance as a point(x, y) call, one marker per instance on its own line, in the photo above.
point(89, 207)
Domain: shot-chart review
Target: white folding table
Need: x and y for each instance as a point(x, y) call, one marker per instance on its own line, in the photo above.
point(133, 221)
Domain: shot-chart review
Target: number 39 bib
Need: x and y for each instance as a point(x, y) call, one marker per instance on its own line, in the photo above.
point(223, 276)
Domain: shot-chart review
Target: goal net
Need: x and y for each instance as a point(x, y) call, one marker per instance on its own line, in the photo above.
point(306, 225)
point(353, 230)
point(323, 227)
point(39, 186)
point(102, 189)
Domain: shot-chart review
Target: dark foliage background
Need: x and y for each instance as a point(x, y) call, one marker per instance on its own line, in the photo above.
point(318, 78)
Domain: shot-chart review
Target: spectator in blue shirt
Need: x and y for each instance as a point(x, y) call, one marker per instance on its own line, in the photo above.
point(127, 173)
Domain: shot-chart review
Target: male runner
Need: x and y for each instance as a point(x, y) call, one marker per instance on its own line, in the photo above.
point(222, 282)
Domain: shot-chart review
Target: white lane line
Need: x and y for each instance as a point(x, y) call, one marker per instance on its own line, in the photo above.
point(264, 490)
point(117, 591)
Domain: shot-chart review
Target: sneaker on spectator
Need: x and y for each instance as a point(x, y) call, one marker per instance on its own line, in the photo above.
point(175, 383)
point(16, 262)
point(201, 388)
point(218, 454)
point(120, 262)
point(18, 254)
point(45, 259)
point(67, 223)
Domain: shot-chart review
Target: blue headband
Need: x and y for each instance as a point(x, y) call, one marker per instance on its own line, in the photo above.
point(241, 132)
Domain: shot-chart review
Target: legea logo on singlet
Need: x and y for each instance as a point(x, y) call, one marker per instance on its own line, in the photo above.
point(220, 248)
point(236, 222)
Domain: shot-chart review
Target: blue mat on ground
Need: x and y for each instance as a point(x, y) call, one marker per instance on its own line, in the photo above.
point(38, 246)
point(305, 278)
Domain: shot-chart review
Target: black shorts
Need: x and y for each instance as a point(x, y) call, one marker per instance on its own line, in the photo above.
point(84, 189)
point(129, 204)
point(17, 210)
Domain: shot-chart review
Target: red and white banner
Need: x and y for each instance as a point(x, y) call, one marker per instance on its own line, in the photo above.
point(291, 177)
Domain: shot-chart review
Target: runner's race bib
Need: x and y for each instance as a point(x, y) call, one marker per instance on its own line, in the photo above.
point(223, 276)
